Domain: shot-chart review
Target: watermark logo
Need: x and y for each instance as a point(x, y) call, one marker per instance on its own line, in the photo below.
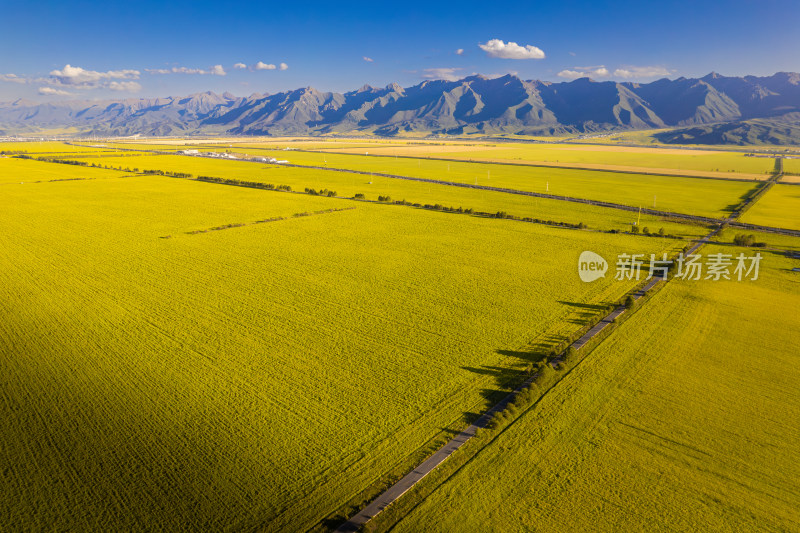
point(591, 266)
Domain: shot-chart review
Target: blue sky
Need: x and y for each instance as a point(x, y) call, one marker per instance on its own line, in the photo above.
point(147, 48)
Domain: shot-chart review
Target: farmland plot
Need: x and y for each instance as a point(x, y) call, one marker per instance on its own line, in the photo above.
point(253, 376)
point(684, 419)
point(779, 208)
point(693, 196)
point(25, 171)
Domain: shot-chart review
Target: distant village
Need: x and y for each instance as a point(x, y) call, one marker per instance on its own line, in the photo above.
point(225, 155)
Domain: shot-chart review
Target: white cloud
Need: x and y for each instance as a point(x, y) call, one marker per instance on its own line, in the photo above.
point(368, 59)
point(602, 72)
point(460, 52)
point(125, 86)
point(511, 50)
point(182, 70)
point(78, 76)
point(640, 72)
point(573, 54)
point(269, 66)
point(584, 72)
point(216, 70)
point(448, 74)
point(13, 78)
point(49, 91)
point(495, 75)
point(572, 74)
point(82, 79)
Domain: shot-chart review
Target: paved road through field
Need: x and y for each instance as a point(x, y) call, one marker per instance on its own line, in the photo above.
point(409, 480)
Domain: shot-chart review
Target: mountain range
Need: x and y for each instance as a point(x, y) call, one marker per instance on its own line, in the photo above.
point(710, 109)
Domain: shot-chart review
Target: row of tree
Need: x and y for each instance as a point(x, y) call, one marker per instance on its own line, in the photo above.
point(323, 192)
point(242, 183)
point(158, 172)
point(470, 211)
point(748, 241)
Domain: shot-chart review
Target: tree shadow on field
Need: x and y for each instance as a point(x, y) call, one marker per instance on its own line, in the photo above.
point(579, 305)
point(518, 366)
point(486, 370)
point(469, 417)
point(522, 363)
point(730, 208)
point(492, 397)
point(586, 313)
point(333, 523)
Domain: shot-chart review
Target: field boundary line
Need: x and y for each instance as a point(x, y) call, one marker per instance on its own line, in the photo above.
point(407, 482)
point(233, 225)
point(540, 164)
point(610, 318)
point(597, 203)
point(757, 192)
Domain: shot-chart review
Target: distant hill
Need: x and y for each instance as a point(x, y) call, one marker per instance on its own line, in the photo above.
point(713, 109)
point(783, 130)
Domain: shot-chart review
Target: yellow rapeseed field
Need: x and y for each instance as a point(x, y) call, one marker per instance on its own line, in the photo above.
point(254, 376)
point(685, 419)
point(779, 208)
